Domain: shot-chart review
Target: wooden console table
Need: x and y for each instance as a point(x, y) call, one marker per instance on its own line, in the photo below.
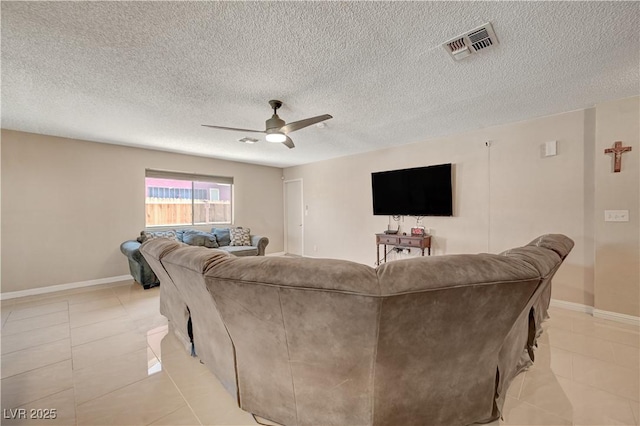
point(406, 241)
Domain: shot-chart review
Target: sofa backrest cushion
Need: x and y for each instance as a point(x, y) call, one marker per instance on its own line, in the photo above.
point(543, 260)
point(326, 274)
point(222, 235)
point(559, 243)
point(159, 248)
point(436, 272)
point(194, 237)
point(196, 259)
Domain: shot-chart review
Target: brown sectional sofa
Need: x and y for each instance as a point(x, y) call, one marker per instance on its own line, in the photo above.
point(300, 341)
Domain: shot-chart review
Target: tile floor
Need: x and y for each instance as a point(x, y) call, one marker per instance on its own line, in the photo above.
point(103, 356)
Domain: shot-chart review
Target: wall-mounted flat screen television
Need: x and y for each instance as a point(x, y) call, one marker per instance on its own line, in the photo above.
point(420, 191)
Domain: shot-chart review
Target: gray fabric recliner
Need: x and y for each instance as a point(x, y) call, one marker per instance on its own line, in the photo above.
point(428, 340)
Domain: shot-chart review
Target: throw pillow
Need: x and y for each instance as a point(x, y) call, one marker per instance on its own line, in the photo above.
point(222, 236)
point(147, 235)
point(240, 236)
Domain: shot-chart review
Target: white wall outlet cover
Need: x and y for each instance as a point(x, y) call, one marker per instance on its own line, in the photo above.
point(616, 215)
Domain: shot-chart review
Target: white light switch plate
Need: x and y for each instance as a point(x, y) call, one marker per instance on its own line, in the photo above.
point(550, 148)
point(616, 215)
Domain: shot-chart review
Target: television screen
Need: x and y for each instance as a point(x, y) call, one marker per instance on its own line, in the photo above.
point(421, 191)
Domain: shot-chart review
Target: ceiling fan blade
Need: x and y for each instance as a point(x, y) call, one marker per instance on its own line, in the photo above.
point(297, 125)
point(234, 128)
point(288, 143)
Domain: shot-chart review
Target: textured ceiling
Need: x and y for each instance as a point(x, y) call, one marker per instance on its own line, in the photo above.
point(148, 74)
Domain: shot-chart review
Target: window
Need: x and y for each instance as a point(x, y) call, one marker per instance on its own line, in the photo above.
point(185, 199)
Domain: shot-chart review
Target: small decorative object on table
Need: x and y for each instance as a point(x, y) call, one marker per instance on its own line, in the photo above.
point(418, 231)
point(393, 231)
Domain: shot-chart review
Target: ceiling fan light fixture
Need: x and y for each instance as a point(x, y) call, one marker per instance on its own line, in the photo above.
point(276, 137)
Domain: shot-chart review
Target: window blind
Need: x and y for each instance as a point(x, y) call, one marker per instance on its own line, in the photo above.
point(163, 174)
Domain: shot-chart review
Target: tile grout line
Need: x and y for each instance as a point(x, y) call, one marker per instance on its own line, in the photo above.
point(571, 362)
point(177, 409)
point(73, 379)
point(77, 404)
point(41, 366)
point(110, 392)
point(521, 384)
point(614, 363)
point(593, 337)
point(546, 411)
point(633, 413)
point(33, 317)
point(595, 387)
point(97, 322)
point(45, 396)
point(179, 391)
point(35, 346)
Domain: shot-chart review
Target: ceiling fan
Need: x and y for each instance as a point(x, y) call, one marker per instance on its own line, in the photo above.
point(276, 129)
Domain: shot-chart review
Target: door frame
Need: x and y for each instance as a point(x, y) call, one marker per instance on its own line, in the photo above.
point(284, 199)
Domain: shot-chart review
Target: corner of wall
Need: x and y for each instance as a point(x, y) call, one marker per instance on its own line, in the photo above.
point(589, 205)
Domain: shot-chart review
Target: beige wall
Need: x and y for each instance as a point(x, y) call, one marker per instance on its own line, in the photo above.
point(617, 254)
point(68, 204)
point(505, 195)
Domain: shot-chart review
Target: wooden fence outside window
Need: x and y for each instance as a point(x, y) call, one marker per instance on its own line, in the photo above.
point(163, 211)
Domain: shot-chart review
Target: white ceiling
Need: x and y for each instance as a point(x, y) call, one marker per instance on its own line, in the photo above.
point(148, 74)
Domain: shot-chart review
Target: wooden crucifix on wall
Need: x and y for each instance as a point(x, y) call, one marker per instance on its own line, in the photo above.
point(617, 151)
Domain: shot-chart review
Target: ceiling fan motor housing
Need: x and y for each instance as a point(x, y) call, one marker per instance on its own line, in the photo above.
point(274, 123)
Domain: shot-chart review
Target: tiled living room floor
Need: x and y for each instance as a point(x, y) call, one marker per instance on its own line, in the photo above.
point(103, 356)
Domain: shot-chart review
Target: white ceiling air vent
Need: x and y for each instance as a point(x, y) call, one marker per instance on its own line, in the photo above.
point(475, 40)
point(248, 140)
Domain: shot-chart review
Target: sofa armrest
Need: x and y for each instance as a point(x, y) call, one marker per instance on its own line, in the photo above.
point(260, 243)
point(131, 249)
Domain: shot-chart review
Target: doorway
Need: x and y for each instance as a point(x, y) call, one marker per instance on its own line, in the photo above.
point(293, 217)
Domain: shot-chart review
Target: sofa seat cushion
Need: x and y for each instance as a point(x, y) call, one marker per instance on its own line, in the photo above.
point(241, 250)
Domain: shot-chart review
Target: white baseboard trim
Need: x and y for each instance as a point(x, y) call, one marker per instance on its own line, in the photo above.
point(278, 253)
point(598, 313)
point(615, 316)
point(60, 287)
point(571, 306)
